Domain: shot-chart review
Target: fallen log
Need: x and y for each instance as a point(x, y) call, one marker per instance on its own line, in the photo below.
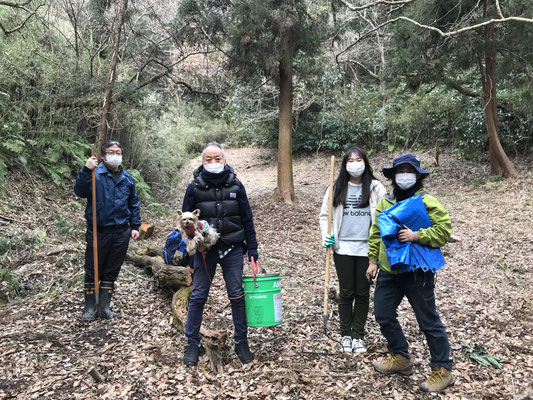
point(169, 276)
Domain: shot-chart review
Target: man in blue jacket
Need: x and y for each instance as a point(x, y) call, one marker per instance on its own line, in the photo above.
point(223, 203)
point(118, 220)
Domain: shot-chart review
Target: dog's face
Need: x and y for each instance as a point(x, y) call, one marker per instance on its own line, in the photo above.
point(186, 219)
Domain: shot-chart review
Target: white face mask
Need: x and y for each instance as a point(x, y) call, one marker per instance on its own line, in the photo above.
point(355, 168)
point(214, 168)
point(113, 161)
point(405, 180)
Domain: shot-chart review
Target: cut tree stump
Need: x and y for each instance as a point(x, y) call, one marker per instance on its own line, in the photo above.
point(179, 279)
point(145, 231)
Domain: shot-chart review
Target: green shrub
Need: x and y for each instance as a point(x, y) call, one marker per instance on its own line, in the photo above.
point(9, 286)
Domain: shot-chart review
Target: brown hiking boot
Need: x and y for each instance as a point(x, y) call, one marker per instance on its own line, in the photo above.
point(439, 380)
point(394, 364)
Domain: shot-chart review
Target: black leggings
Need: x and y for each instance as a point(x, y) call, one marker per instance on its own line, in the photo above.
point(353, 287)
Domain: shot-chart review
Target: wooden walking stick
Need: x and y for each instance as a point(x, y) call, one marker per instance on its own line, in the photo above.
point(328, 249)
point(95, 236)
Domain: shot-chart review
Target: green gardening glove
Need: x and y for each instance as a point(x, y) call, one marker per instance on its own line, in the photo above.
point(330, 239)
point(205, 225)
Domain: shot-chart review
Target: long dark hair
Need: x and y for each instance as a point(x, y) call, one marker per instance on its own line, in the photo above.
point(340, 188)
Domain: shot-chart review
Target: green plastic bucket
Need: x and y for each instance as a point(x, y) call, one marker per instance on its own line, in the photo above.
point(263, 300)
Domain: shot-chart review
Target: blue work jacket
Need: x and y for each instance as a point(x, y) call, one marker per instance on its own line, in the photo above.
point(117, 203)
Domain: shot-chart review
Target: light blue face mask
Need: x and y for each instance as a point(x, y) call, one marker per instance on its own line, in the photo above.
point(405, 180)
point(214, 168)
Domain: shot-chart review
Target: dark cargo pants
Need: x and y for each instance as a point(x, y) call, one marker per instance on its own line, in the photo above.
point(112, 248)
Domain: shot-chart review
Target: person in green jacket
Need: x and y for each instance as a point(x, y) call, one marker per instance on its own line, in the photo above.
point(418, 286)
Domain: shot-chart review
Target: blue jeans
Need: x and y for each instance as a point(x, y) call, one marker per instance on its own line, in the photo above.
point(418, 286)
point(232, 265)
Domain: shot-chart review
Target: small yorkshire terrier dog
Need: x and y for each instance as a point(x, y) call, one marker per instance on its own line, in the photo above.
point(191, 230)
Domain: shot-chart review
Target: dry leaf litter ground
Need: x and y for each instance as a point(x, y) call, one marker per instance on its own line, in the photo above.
point(483, 295)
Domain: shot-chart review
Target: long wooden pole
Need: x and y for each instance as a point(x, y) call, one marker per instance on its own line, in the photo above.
point(328, 249)
point(95, 236)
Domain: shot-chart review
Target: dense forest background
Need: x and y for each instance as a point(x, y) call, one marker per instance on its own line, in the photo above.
point(386, 75)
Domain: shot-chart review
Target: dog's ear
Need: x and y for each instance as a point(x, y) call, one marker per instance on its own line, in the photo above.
point(196, 212)
point(180, 213)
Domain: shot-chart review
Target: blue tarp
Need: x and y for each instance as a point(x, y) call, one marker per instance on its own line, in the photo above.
point(408, 256)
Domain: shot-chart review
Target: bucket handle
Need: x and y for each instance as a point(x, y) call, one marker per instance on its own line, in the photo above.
point(254, 270)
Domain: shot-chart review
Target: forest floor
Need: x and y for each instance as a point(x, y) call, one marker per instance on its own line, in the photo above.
point(484, 296)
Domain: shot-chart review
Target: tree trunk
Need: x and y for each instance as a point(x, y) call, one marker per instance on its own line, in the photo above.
point(106, 107)
point(499, 162)
point(285, 189)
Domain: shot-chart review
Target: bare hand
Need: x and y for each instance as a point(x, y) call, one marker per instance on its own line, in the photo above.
point(407, 235)
point(134, 234)
point(371, 270)
point(92, 163)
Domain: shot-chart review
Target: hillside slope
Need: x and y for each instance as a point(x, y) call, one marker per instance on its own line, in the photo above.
point(483, 295)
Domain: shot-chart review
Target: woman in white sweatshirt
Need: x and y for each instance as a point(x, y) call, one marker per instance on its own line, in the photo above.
point(356, 194)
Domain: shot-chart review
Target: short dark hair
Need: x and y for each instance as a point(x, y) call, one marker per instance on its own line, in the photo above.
point(110, 143)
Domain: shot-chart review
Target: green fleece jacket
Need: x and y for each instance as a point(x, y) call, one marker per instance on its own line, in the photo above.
point(436, 236)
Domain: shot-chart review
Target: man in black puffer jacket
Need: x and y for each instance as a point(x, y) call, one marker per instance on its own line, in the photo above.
point(223, 203)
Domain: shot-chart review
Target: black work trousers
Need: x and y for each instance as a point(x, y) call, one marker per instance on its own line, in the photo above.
point(112, 248)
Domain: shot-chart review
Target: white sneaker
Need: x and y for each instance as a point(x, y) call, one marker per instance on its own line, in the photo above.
point(358, 346)
point(345, 345)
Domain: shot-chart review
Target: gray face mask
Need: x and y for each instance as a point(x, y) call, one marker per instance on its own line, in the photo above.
point(113, 161)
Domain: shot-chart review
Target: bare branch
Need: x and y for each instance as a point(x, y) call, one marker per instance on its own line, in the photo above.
point(459, 31)
point(19, 27)
point(189, 87)
point(499, 9)
point(432, 28)
point(168, 69)
point(351, 7)
point(372, 74)
point(15, 5)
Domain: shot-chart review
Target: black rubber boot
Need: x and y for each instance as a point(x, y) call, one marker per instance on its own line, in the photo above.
point(243, 351)
point(192, 353)
point(89, 314)
point(106, 292)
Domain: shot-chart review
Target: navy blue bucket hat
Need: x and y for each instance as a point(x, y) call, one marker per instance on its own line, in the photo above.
point(405, 159)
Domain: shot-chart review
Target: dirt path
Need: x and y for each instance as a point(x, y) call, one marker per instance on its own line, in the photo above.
point(483, 295)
